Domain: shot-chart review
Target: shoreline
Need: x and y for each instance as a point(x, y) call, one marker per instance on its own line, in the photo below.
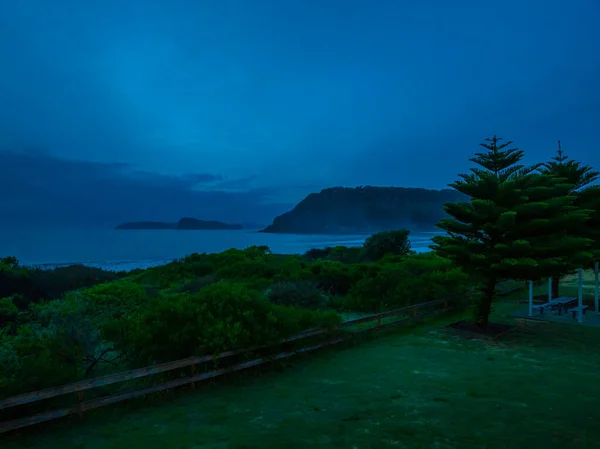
point(130, 265)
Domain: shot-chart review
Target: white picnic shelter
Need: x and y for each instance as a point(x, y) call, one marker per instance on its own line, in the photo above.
point(566, 302)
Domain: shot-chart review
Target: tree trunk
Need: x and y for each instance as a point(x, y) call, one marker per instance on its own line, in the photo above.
point(485, 305)
point(555, 285)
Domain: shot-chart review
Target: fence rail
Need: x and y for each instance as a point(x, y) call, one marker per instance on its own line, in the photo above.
point(88, 384)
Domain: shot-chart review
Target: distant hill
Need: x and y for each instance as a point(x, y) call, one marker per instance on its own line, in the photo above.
point(185, 224)
point(342, 210)
point(194, 224)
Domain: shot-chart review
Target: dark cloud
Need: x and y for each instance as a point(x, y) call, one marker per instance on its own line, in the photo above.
point(202, 178)
point(251, 104)
point(44, 190)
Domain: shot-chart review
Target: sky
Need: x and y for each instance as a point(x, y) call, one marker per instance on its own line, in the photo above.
point(234, 110)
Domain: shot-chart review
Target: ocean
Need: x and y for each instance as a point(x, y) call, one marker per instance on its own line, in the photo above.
point(126, 250)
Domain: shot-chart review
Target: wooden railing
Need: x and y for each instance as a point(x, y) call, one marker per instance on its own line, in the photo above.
point(405, 315)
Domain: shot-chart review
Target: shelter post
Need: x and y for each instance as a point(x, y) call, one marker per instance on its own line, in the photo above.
point(530, 298)
point(580, 311)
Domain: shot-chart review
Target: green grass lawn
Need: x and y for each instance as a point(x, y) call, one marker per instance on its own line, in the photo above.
point(421, 388)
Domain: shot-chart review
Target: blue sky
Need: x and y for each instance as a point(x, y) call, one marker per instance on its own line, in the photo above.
point(235, 110)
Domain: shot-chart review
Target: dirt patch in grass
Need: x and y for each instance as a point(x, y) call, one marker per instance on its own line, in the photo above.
point(469, 329)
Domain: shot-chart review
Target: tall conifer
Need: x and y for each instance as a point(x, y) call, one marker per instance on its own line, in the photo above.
point(580, 176)
point(508, 228)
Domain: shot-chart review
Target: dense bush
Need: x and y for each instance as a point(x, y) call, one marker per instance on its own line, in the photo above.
point(8, 312)
point(33, 285)
point(300, 294)
point(335, 278)
point(388, 242)
point(36, 358)
point(338, 254)
point(61, 325)
point(195, 285)
point(412, 280)
point(221, 316)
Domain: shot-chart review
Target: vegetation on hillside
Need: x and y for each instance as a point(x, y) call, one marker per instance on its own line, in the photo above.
point(364, 210)
point(62, 325)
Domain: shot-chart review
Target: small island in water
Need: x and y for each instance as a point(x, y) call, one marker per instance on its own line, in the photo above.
point(185, 224)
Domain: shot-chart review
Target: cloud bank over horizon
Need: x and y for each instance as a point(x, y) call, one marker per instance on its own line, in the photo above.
point(234, 110)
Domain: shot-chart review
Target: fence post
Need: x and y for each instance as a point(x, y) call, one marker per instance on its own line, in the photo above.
point(80, 400)
point(596, 286)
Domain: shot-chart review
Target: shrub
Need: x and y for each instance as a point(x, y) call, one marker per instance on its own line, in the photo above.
point(334, 278)
point(388, 242)
point(33, 285)
point(76, 322)
point(338, 254)
point(248, 269)
point(377, 293)
point(348, 255)
point(195, 285)
point(37, 358)
point(175, 273)
point(222, 316)
point(115, 299)
point(317, 253)
point(8, 263)
point(8, 312)
point(301, 294)
point(414, 280)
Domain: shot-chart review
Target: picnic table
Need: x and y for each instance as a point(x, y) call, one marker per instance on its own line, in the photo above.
point(559, 304)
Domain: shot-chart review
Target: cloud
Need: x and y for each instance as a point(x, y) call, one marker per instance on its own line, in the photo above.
point(40, 190)
point(202, 178)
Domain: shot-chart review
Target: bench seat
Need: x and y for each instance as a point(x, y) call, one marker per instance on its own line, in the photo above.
point(581, 309)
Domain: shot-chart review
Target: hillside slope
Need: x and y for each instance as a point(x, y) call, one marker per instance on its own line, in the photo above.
point(342, 210)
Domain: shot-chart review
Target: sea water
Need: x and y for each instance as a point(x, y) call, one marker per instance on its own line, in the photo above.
point(126, 250)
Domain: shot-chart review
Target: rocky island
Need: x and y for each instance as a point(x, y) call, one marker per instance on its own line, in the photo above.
point(343, 210)
point(184, 224)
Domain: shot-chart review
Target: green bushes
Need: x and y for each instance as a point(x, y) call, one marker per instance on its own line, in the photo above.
point(195, 285)
point(33, 285)
point(413, 280)
point(34, 359)
point(8, 311)
point(334, 278)
point(338, 254)
point(301, 294)
point(221, 316)
point(204, 303)
point(389, 242)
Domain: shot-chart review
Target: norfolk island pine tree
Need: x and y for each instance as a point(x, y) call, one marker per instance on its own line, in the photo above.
point(589, 198)
point(580, 176)
point(506, 229)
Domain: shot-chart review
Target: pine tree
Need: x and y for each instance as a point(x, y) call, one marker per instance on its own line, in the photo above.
point(589, 198)
point(507, 228)
point(580, 176)
point(574, 172)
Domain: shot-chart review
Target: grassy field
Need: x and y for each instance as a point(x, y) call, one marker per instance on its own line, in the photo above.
point(422, 388)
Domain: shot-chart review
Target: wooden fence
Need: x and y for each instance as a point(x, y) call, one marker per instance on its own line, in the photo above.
point(404, 315)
